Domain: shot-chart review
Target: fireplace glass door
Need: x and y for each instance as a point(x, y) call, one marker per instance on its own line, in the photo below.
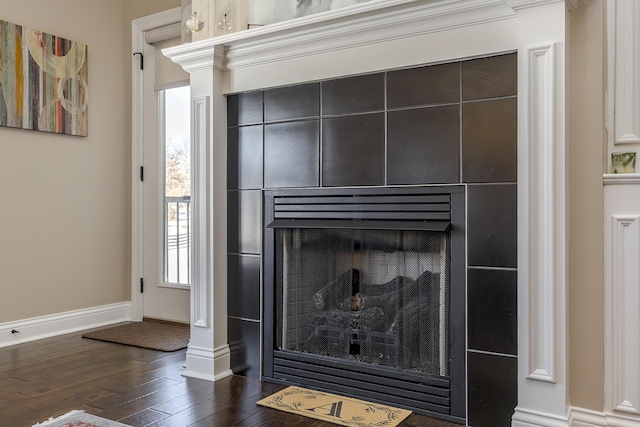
point(364, 294)
point(378, 297)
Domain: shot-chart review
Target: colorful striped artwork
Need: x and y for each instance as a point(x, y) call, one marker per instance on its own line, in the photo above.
point(43, 81)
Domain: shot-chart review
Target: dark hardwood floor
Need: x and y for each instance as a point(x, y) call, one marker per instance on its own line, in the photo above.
point(132, 385)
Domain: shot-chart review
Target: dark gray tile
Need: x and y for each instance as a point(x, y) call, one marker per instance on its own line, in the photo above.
point(489, 141)
point(492, 310)
point(492, 232)
point(292, 102)
point(244, 221)
point(244, 108)
point(292, 154)
point(353, 150)
point(435, 84)
point(493, 389)
point(353, 94)
point(244, 343)
point(490, 77)
point(244, 157)
point(423, 146)
point(243, 275)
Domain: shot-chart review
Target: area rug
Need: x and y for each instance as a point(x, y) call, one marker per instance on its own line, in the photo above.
point(336, 409)
point(79, 419)
point(148, 334)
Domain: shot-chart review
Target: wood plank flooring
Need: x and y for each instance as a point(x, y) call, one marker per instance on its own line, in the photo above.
point(132, 385)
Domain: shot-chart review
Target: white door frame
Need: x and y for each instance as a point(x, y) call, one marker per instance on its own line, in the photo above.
point(138, 28)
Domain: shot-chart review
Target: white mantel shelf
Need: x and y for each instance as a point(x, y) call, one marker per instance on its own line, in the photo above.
point(364, 24)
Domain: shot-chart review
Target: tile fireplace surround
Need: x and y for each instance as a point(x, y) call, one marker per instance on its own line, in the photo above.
point(519, 382)
point(444, 125)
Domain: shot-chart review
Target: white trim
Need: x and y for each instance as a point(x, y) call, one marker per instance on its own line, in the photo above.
point(580, 417)
point(525, 4)
point(63, 323)
point(621, 178)
point(200, 124)
point(531, 418)
point(138, 27)
point(624, 69)
point(624, 315)
point(201, 360)
point(370, 23)
point(614, 420)
point(542, 208)
point(621, 301)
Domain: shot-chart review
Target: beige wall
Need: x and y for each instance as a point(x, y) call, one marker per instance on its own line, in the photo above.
point(586, 247)
point(64, 200)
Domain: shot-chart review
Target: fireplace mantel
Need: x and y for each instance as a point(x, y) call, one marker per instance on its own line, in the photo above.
point(383, 35)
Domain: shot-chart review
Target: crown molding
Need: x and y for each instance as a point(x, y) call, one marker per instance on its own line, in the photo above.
point(524, 4)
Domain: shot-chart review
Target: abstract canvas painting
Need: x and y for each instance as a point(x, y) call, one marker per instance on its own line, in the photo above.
point(43, 81)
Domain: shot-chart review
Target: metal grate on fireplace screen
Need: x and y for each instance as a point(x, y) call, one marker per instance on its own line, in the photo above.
point(371, 296)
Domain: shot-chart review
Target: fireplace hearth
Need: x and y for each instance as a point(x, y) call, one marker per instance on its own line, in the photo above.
point(364, 294)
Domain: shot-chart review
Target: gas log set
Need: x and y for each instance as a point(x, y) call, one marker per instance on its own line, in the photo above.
point(392, 324)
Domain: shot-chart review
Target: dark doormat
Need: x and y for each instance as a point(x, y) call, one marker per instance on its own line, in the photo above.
point(161, 336)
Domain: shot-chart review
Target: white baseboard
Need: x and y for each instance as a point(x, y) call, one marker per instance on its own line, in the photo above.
point(63, 323)
point(527, 418)
point(580, 417)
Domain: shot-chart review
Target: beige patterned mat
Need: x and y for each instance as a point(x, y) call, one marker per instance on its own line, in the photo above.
point(336, 409)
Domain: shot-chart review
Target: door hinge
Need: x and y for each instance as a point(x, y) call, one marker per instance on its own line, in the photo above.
point(141, 285)
point(141, 59)
point(142, 173)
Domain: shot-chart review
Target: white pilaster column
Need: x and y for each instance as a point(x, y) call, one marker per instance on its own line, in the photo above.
point(542, 215)
point(208, 352)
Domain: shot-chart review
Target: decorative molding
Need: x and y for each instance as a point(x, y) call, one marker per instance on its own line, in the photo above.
point(200, 307)
point(543, 197)
point(624, 45)
point(528, 418)
point(373, 22)
point(624, 316)
point(202, 360)
point(580, 417)
point(41, 327)
point(197, 56)
point(621, 178)
point(615, 420)
point(524, 4)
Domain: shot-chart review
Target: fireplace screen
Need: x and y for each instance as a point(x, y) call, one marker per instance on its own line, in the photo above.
point(372, 296)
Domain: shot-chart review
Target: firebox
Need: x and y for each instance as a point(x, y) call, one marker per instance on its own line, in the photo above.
point(364, 294)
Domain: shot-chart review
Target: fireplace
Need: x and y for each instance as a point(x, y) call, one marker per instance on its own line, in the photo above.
point(364, 294)
point(513, 166)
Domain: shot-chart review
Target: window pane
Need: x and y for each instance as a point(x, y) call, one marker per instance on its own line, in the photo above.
point(177, 146)
point(177, 184)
